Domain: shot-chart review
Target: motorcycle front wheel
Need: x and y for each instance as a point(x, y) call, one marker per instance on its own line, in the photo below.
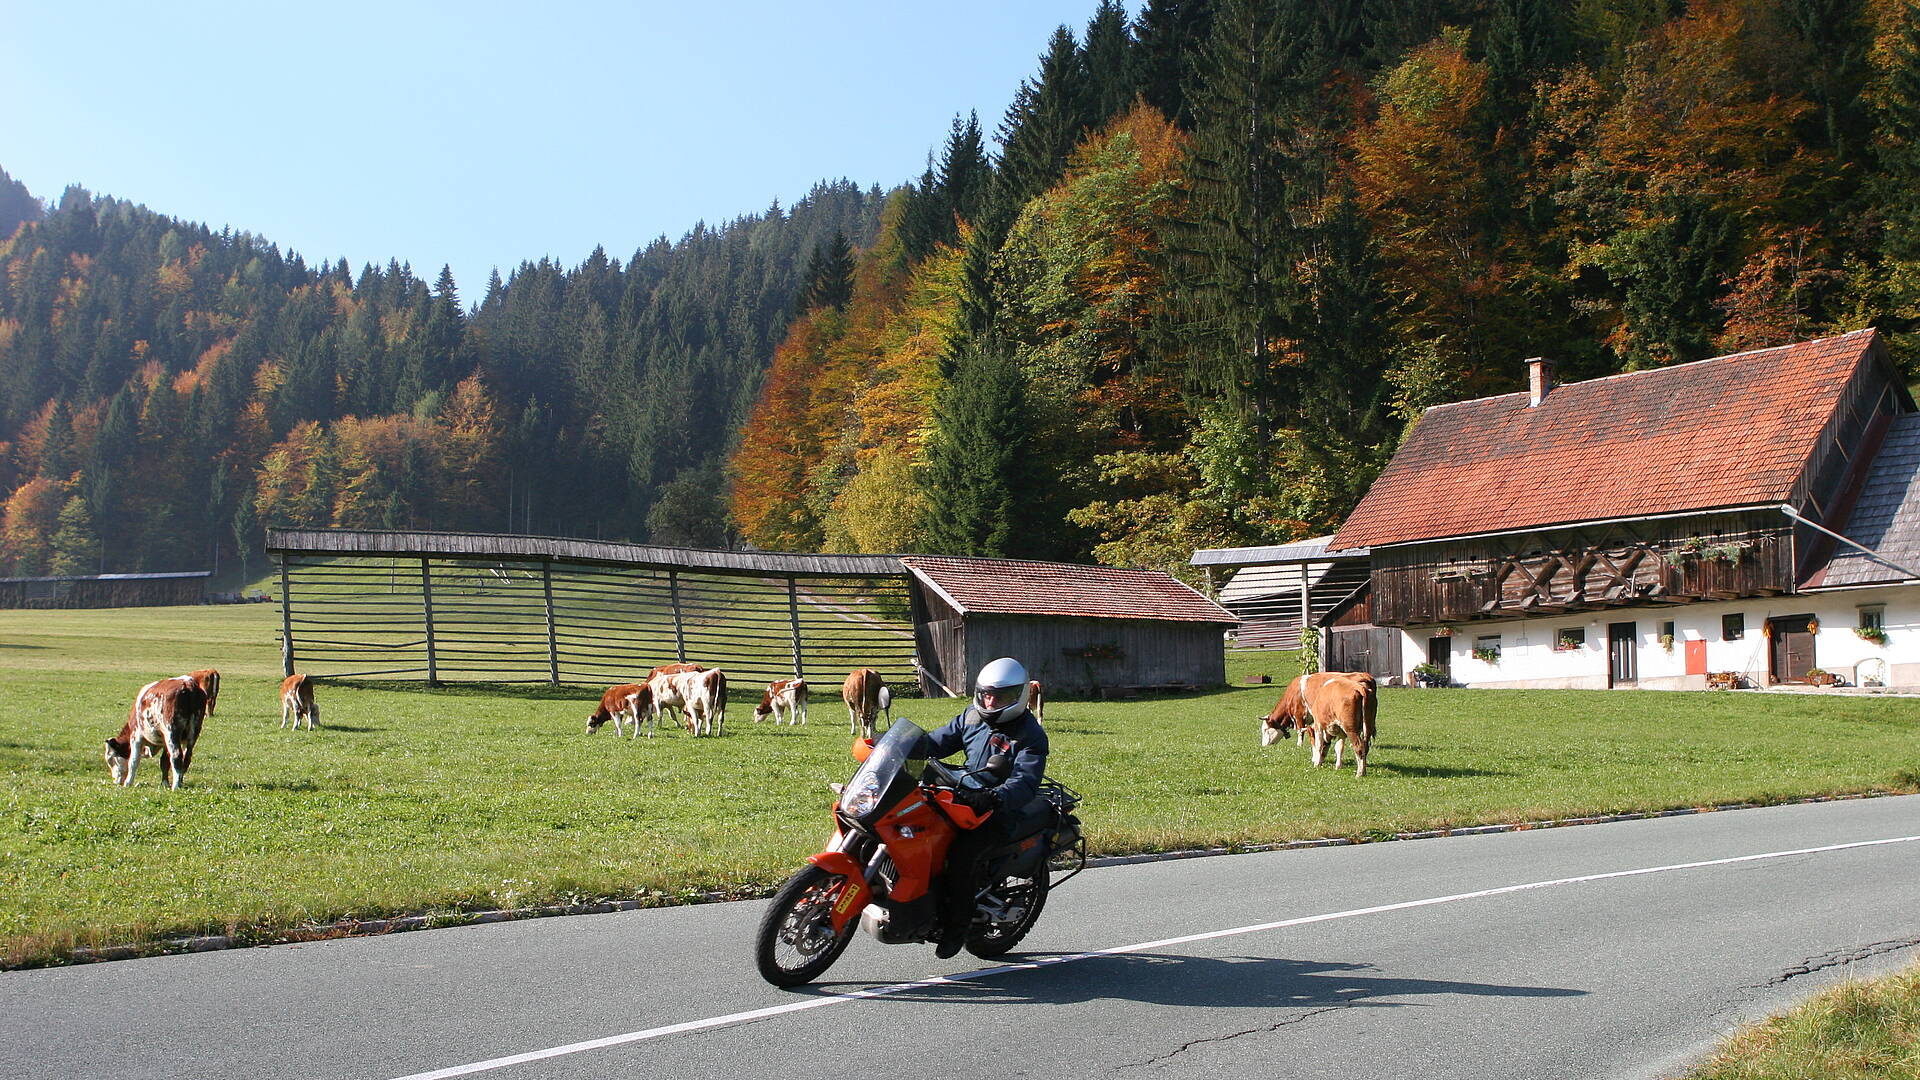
point(796, 943)
point(996, 939)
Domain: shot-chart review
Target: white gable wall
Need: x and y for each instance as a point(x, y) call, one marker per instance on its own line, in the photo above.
point(1529, 660)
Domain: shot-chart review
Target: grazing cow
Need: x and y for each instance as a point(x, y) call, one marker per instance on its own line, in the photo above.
point(620, 704)
point(296, 701)
point(1036, 700)
point(208, 680)
point(165, 720)
point(861, 691)
point(785, 700)
point(656, 705)
point(1292, 713)
point(701, 697)
point(1343, 709)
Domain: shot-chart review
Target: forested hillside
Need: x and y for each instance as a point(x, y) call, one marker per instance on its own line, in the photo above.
point(1188, 291)
point(167, 392)
point(1230, 249)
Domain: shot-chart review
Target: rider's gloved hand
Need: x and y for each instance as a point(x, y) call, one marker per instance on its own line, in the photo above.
point(977, 800)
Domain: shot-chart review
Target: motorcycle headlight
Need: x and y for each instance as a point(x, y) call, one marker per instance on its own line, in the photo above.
point(860, 799)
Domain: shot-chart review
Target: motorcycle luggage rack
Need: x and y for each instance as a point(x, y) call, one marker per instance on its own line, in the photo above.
point(1064, 800)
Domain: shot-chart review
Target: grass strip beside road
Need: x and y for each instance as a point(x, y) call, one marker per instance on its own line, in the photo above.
point(459, 799)
point(1858, 1030)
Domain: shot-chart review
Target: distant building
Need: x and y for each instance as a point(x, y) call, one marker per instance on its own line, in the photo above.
point(1671, 528)
point(1078, 629)
point(105, 590)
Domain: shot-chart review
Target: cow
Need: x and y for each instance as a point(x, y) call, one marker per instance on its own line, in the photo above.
point(1292, 713)
point(655, 705)
point(861, 692)
point(1342, 706)
point(785, 700)
point(296, 701)
point(1036, 700)
point(621, 704)
point(208, 680)
point(701, 697)
point(165, 720)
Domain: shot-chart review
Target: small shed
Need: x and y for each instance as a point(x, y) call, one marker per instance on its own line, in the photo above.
point(105, 590)
point(1078, 629)
point(1277, 590)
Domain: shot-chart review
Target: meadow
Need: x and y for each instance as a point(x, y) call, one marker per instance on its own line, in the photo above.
point(442, 801)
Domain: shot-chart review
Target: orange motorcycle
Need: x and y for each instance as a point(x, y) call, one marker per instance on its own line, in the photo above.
point(893, 823)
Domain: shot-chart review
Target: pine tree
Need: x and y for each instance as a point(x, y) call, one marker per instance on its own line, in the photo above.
point(1107, 61)
point(56, 450)
point(76, 544)
point(1169, 36)
point(966, 176)
point(1042, 127)
point(829, 275)
point(978, 461)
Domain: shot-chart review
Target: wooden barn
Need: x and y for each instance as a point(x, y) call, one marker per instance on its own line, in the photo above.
point(1078, 629)
point(1279, 589)
point(105, 590)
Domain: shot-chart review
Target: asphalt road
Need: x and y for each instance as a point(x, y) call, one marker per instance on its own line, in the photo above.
point(1607, 951)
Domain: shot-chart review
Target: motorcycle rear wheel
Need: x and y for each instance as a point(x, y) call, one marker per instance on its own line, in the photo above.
point(796, 943)
point(997, 940)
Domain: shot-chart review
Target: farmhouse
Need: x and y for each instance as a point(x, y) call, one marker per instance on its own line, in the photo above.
point(1744, 520)
point(1077, 629)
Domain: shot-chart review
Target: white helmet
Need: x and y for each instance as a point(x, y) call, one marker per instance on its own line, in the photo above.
point(1000, 692)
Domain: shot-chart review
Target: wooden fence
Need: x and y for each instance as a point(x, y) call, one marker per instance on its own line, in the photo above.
point(445, 617)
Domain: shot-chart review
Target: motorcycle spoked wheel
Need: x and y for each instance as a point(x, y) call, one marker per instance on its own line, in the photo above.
point(996, 940)
point(796, 943)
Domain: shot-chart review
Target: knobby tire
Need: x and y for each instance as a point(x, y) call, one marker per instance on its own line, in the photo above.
point(798, 911)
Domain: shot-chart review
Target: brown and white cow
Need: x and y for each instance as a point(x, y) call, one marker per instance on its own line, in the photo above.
point(1036, 700)
point(653, 705)
point(1327, 706)
point(620, 704)
point(297, 701)
point(785, 700)
point(701, 697)
point(208, 680)
point(164, 720)
point(862, 691)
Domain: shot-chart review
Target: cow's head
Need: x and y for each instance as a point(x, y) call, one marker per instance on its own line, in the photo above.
point(119, 759)
point(1275, 727)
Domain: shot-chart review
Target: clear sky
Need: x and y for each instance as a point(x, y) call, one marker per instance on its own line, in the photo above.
point(484, 134)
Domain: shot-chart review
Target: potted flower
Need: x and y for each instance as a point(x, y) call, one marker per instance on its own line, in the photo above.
point(1429, 674)
point(1666, 642)
point(1875, 634)
point(1487, 656)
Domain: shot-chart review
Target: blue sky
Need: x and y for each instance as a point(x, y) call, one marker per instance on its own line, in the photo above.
point(484, 134)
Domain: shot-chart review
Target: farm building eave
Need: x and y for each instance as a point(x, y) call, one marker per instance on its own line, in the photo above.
point(508, 546)
point(111, 577)
point(1309, 550)
point(1885, 518)
point(994, 587)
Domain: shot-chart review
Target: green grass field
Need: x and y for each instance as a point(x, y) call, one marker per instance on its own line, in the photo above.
point(1858, 1030)
point(409, 800)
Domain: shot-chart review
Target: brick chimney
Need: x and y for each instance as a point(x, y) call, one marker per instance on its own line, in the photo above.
point(1539, 380)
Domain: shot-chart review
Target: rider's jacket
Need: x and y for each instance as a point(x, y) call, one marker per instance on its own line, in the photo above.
point(1020, 738)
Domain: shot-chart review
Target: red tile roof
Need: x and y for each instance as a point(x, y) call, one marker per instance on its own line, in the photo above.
point(1016, 587)
point(1732, 431)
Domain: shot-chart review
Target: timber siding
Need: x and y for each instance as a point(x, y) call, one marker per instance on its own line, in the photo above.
point(1552, 572)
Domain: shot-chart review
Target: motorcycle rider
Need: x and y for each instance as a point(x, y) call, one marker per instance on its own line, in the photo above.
point(997, 722)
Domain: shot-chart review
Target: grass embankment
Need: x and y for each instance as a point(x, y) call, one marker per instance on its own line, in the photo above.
point(409, 800)
point(1855, 1031)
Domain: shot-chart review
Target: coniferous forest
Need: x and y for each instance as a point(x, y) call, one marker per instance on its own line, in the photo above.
point(1188, 292)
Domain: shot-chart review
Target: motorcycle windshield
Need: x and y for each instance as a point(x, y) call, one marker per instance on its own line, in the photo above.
point(889, 773)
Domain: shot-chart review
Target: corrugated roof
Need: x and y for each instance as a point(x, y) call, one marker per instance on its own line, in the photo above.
point(1313, 549)
point(1731, 431)
point(1886, 517)
point(1018, 587)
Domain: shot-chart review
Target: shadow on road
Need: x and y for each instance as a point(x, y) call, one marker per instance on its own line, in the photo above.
point(1205, 982)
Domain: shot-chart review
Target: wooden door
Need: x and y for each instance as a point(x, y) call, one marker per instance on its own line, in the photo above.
point(1790, 655)
point(1623, 655)
point(1375, 650)
point(1440, 655)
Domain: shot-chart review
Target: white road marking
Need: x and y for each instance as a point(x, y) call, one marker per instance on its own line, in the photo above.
point(1053, 961)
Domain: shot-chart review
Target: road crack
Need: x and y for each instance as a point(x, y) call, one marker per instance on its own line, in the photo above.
point(1265, 1030)
point(1838, 958)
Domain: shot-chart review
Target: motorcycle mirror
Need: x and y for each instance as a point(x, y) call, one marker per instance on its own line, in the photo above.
point(999, 766)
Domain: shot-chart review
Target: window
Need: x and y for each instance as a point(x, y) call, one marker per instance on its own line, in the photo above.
point(1569, 637)
point(1733, 627)
point(1487, 649)
point(1873, 618)
point(1666, 630)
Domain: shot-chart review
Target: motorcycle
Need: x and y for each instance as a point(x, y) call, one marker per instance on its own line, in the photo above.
point(893, 824)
